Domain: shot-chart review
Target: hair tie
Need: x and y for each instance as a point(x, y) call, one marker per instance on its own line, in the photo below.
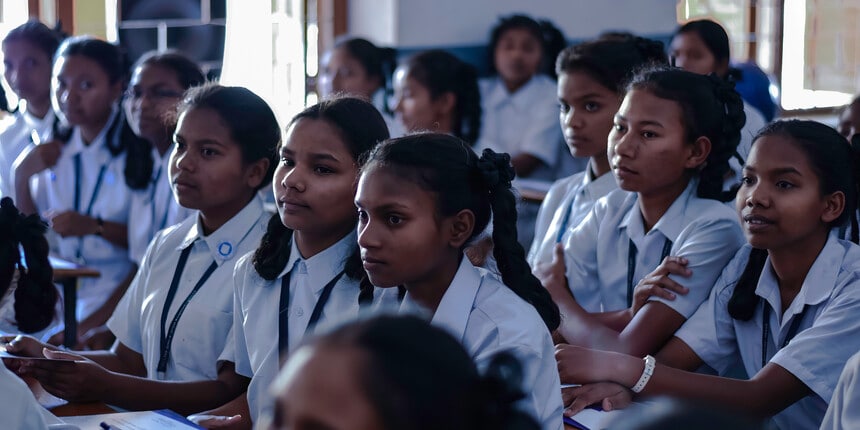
point(496, 169)
point(500, 385)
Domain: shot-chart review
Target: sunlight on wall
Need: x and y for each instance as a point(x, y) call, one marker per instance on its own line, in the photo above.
point(14, 13)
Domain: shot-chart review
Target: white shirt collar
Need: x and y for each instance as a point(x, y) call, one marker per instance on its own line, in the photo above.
point(224, 242)
point(324, 266)
point(522, 99)
point(670, 224)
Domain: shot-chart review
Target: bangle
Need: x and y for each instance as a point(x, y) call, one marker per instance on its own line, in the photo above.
point(100, 226)
point(650, 363)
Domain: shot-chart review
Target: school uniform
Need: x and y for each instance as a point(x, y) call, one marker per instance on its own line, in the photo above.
point(844, 409)
point(202, 330)
point(754, 122)
point(487, 317)
point(97, 178)
point(395, 128)
point(818, 345)
point(18, 407)
point(15, 139)
point(566, 204)
point(254, 347)
point(153, 208)
point(601, 273)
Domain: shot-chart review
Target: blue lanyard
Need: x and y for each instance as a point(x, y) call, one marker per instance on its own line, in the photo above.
point(283, 311)
point(765, 330)
point(631, 265)
point(96, 188)
point(167, 341)
point(564, 221)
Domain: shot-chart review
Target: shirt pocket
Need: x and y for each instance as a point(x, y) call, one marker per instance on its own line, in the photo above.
point(200, 339)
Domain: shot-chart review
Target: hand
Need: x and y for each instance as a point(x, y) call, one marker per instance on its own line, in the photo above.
point(71, 223)
point(553, 276)
point(24, 345)
point(609, 395)
point(81, 380)
point(658, 283)
point(217, 421)
point(39, 158)
point(578, 365)
point(96, 339)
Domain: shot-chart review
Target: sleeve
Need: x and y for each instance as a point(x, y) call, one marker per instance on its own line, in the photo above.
point(580, 258)
point(844, 409)
point(546, 213)
point(817, 355)
point(708, 247)
point(125, 323)
point(710, 332)
point(236, 349)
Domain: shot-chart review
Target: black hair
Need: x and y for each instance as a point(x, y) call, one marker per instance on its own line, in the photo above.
point(445, 166)
point(835, 162)
point(378, 62)
point(716, 39)
point(710, 107)
point(442, 72)
point(35, 294)
point(139, 161)
point(419, 377)
point(612, 60)
point(37, 34)
point(361, 127)
point(550, 37)
point(249, 118)
point(108, 56)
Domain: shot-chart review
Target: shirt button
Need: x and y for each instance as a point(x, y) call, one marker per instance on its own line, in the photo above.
point(299, 312)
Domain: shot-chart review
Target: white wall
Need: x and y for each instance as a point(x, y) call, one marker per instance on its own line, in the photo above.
point(423, 23)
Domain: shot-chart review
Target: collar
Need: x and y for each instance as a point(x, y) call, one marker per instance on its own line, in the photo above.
point(324, 266)
point(34, 123)
point(457, 303)
point(522, 99)
point(99, 144)
point(669, 225)
point(818, 284)
point(223, 243)
point(600, 186)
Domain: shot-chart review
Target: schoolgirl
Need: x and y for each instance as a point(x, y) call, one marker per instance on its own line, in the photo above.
point(28, 52)
point(174, 321)
point(357, 67)
point(436, 91)
point(702, 46)
point(399, 373)
point(669, 149)
point(306, 272)
point(86, 196)
point(421, 199)
point(591, 79)
point(785, 306)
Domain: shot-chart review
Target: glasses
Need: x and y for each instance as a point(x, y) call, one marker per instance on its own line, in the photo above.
point(153, 94)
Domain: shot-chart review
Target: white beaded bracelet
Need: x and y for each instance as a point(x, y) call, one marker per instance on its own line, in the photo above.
point(650, 363)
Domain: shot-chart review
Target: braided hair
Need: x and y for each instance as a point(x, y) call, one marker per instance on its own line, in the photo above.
point(711, 108)
point(35, 294)
point(445, 166)
point(361, 127)
point(835, 162)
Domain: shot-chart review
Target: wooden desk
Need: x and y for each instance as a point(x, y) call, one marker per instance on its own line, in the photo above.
point(67, 274)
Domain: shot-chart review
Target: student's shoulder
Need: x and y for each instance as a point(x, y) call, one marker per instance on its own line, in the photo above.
point(732, 271)
point(172, 237)
point(710, 209)
point(514, 320)
point(561, 187)
point(849, 271)
point(617, 200)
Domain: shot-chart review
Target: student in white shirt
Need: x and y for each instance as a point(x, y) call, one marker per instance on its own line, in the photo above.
point(357, 67)
point(591, 79)
point(399, 373)
point(702, 46)
point(669, 150)
point(436, 91)
point(421, 199)
point(786, 306)
point(174, 321)
point(86, 192)
point(28, 53)
point(306, 274)
point(844, 409)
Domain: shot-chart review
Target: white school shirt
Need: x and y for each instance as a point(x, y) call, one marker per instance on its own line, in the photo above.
point(153, 208)
point(566, 204)
point(15, 139)
point(202, 331)
point(523, 122)
point(18, 407)
point(754, 122)
point(704, 231)
point(844, 409)
point(254, 344)
point(487, 318)
point(111, 204)
point(826, 338)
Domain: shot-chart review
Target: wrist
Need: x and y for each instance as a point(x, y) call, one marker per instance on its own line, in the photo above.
point(99, 226)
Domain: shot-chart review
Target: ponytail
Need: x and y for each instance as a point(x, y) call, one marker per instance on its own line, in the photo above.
point(855, 163)
point(270, 258)
point(717, 166)
point(744, 300)
point(35, 294)
point(497, 172)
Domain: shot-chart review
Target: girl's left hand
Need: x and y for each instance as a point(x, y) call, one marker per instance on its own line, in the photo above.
point(552, 275)
point(71, 224)
point(578, 365)
point(608, 395)
point(69, 376)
